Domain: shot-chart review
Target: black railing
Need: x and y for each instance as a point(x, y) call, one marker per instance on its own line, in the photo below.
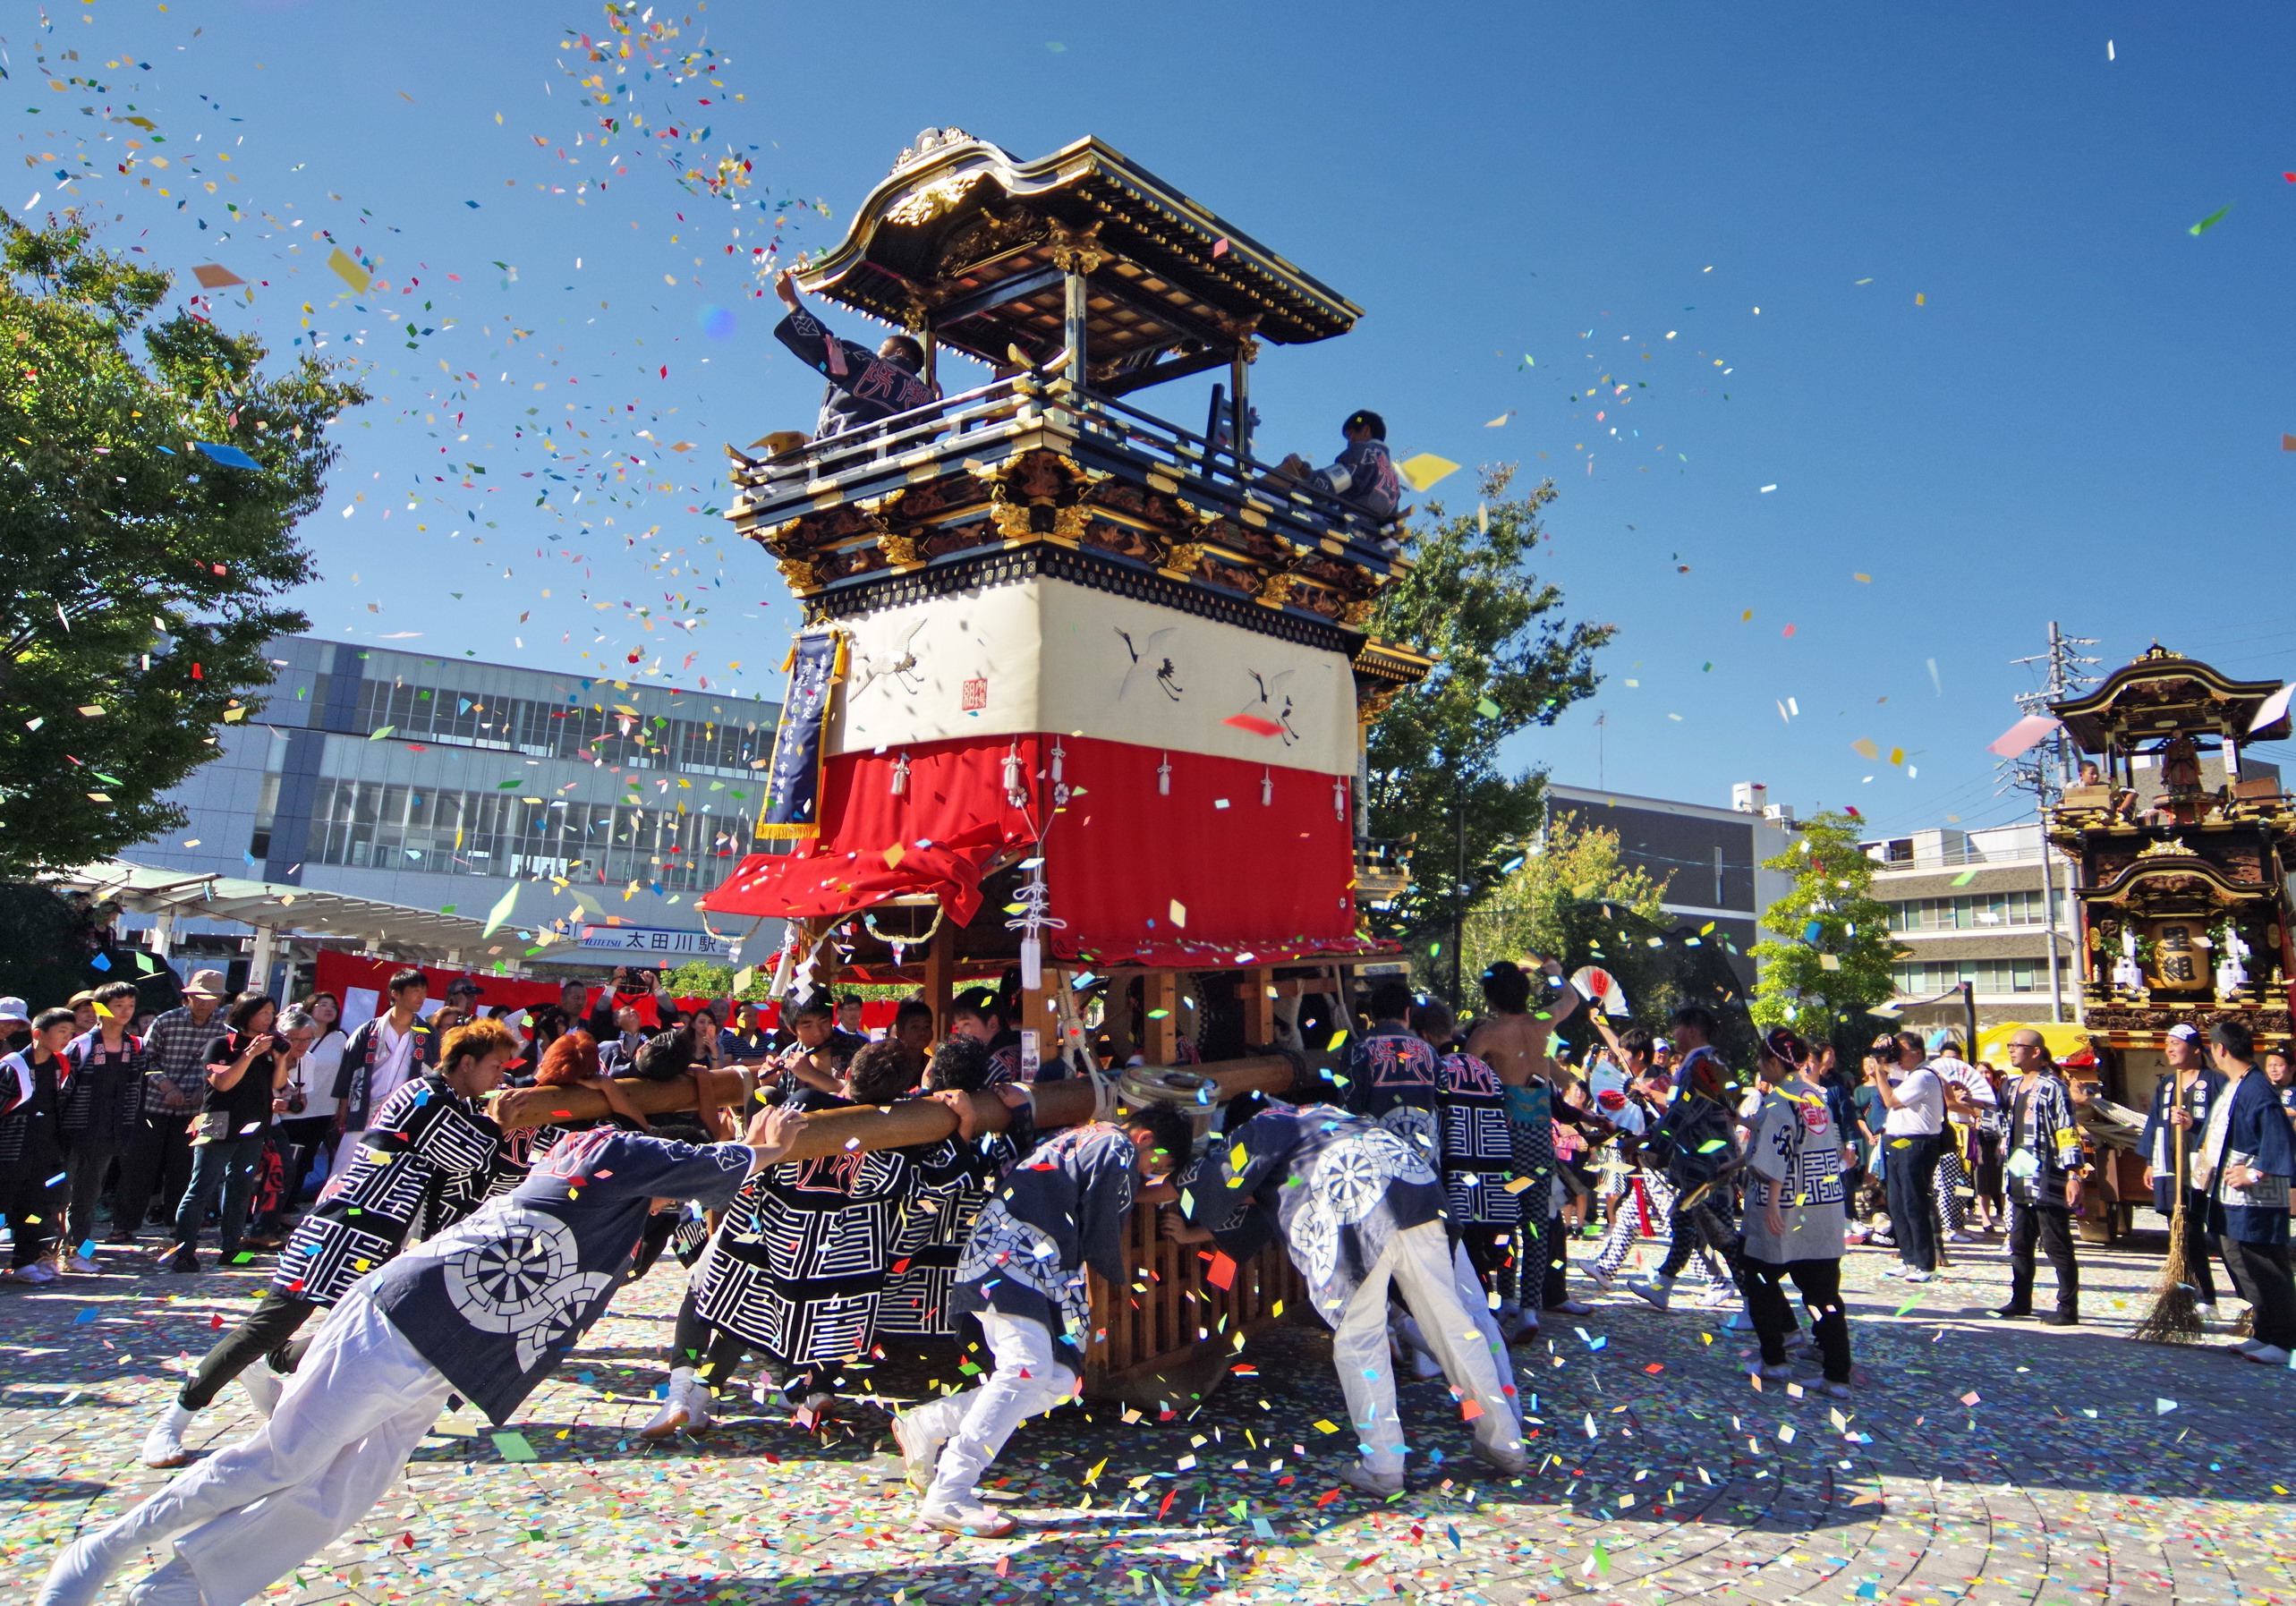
point(862, 453)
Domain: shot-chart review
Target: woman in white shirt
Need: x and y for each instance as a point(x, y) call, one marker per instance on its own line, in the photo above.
point(1916, 1103)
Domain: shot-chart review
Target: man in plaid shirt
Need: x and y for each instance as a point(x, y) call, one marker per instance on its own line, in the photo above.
point(176, 1049)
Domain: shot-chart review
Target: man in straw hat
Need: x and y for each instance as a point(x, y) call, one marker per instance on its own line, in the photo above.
point(175, 1056)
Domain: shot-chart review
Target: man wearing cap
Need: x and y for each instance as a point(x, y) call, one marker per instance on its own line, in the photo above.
point(175, 1084)
point(16, 1024)
point(2182, 1104)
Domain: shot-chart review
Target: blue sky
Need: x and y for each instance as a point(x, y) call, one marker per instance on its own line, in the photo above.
point(1991, 367)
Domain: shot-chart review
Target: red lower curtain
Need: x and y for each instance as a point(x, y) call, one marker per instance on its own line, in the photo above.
point(1211, 862)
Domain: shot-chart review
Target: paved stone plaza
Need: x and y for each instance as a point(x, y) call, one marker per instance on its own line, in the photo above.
point(1977, 1464)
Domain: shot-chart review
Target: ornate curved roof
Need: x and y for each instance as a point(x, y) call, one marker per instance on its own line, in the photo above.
point(967, 241)
point(2162, 692)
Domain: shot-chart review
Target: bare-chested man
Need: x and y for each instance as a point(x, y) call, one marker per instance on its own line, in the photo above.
point(1512, 1041)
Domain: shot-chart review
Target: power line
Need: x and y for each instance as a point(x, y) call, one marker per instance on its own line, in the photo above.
point(2041, 768)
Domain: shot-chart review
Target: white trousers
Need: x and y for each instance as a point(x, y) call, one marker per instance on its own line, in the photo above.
point(255, 1511)
point(1025, 1381)
point(1477, 1303)
point(1434, 1281)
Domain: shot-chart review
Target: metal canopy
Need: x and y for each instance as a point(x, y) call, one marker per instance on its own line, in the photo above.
point(417, 935)
point(968, 245)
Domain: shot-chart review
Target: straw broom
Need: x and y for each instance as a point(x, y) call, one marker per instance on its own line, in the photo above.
point(2175, 1316)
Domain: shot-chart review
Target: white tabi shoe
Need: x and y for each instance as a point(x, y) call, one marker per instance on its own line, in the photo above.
point(676, 1407)
point(163, 1445)
point(920, 1452)
point(1355, 1475)
point(970, 1518)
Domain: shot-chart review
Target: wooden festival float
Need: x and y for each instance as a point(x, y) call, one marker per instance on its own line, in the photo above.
point(2181, 867)
point(1080, 695)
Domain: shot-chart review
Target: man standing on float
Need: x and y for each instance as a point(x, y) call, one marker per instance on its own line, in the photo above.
point(863, 389)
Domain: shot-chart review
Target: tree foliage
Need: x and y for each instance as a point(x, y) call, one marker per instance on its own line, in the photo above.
point(1826, 954)
point(48, 938)
point(140, 578)
point(1573, 899)
point(1507, 659)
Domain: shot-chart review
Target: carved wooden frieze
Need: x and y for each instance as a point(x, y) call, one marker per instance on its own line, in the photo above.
point(991, 235)
point(2120, 1018)
point(1123, 540)
point(1237, 577)
point(958, 538)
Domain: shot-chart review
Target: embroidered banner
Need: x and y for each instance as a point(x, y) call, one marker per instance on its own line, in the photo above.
point(792, 796)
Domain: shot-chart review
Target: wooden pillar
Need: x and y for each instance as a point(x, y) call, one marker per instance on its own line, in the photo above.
point(1160, 991)
point(1260, 1006)
point(1074, 327)
point(932, 355)
point(1039, 1038)
point(1239, 391)
point(941, 968)
point(828, 967)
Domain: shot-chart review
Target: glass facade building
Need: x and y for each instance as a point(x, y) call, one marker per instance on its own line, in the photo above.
point(436, 783)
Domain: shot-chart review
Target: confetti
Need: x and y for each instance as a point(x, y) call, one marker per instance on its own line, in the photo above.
point(1424, 469)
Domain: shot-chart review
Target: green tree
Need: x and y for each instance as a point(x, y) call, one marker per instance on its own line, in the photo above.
point(1826, 953)
point(1506, 659)
point(699, 979)
point(140, 575)
point(50, 940)
point(1575, 901)
point(1570, 897)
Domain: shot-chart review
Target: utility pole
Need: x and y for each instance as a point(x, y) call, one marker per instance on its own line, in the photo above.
point(2043, 771)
